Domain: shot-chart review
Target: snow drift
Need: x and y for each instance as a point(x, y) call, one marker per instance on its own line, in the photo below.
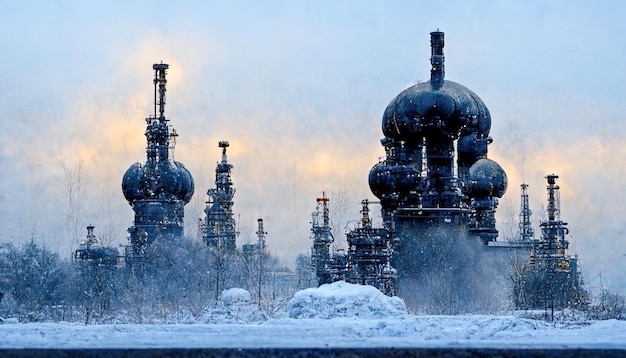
point(234, 306)
point(341, 299)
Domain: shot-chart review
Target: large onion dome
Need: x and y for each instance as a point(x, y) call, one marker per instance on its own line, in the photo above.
point(172, 180)
point(431, 110)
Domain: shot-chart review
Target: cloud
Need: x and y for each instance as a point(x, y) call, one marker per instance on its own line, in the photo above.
point(299, 91)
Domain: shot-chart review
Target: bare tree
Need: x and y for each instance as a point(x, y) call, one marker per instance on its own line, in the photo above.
point(75, 183)
point(339, 204)
point(107, 233)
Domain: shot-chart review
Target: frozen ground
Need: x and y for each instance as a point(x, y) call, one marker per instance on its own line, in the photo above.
point(339, 315)
point(408, 331)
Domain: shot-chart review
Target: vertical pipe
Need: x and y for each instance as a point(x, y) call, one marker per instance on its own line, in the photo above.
point(437, 73)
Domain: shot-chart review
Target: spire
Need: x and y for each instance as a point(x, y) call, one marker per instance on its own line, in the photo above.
point(526, 231)
point(160, 70)
point(437, 73)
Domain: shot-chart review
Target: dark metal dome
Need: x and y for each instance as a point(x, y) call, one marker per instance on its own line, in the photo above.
point(386, 180)
point(177, 181)
point(173, 179)
point(132, 183)
point(487, 178)
point(428, 109)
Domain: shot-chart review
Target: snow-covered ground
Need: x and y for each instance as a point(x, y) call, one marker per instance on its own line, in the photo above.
point(338, 315)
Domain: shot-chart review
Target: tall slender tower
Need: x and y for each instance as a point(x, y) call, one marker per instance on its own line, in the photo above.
point(260, 234)
point(219, 228)
point(322, 236)
point(159, 189)
point(525, 226)
point(551, 250)
point(554, 281)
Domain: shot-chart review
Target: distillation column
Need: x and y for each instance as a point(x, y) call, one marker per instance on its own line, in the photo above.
point(219, 229)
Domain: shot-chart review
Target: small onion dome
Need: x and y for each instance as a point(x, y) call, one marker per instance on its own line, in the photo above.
point(472, 146)
point(132, 182)
point(177, 181)
point(487, 179)
point(425, 110)
point(385, 180)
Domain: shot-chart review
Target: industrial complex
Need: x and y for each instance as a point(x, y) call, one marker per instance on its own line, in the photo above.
point(436, 189)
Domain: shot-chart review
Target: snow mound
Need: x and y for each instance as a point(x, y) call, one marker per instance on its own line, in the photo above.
point(234, 306)
point(342, 299)
point(235, 295)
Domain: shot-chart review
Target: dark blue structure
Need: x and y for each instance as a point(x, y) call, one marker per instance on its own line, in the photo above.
point(219, 228)
point(553, 281)
point(369, 255)
point(427, 127)
point(438, 190)
point(92, 252)
point(159, 189)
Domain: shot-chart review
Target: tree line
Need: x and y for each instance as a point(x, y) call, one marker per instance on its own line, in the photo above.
point(177, 277)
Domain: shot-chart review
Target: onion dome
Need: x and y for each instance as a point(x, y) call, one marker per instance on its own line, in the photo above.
point(472, 146)
point(437, 108)
point(173, 180)
point(177, 181)
point(487, 178)
point(133, 182)
point(385, 180)
point(428, 110)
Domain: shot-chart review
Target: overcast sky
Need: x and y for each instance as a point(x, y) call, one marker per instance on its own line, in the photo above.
point(299, 88)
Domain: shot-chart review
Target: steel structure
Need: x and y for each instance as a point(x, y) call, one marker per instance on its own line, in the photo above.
point(322, 236)
point(369, 255)
point(526, 231)
point(159, 189)
point(419, 184)
point(551, 250)
point(97, 266)
point(249, 250)
point(554, 281)
point(435, 183)
point(92, 252)
point(368, 261)
point(219, 228)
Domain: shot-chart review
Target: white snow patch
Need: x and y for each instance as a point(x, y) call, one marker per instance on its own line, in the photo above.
point(234, 306)
point(342, 299)
point(234, 296)
point(405, 331)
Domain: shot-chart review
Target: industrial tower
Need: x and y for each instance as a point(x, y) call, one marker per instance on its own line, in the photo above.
point(219, 228)
point(551, 251)
point(159, 189)
point(368, 261)
point(526, 231)
point(419, 184)
point(436, 183)
point(550, 259)
point(369, 255)
point(249, 250)
point(322, 236)
point(554, 281)
point(91, 252)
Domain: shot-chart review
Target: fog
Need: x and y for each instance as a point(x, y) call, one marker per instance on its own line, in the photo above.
point(298, 89)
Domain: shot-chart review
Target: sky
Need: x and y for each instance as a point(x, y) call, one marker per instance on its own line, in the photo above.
point(299, 89)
